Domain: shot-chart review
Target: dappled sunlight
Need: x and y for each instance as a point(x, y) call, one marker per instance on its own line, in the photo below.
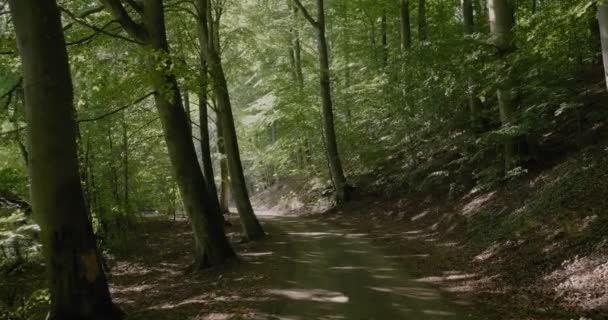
point(421, 215)
point(217, 316)
point(487, 253)
point(410, 292)
point(255, 254)
point(123, 268)
point(477, 203)
point(318, 295)
point(447, 277)
point(582, 281)
point(485, 283)
point(438, 313)
point(349, 268)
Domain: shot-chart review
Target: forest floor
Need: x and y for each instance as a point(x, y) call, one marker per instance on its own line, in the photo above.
point(534, 247)
point(305, 269)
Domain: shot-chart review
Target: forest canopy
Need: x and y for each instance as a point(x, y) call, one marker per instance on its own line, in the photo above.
point(114, 110)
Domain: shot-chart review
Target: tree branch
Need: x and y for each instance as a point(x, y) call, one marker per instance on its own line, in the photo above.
point(306, 14)
point(135, 5)
point(89, 37)
point(116, 110)
point(119, 12)
point(84, 14)
point(97, 29)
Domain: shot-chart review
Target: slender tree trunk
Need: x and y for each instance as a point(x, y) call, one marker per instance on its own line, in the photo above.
point(206, 159)
point(212, 246)
point(224, 175)
point(384, 39)
point(113, 170)
point(422, 23)
point(337, 174)
point(341, 187)
point(502, 21)
point(77, 283)
point(125, 164)
point(406, 33)
point(602, 15)
point(297, 50)
point(187, 106)
point(469, 17)
point(469, 28)
point(251, 226)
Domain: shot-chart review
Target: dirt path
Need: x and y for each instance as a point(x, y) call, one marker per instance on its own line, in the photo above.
point(332, 273)
point(304, 270)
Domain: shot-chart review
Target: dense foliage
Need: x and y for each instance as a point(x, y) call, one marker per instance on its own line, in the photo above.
point(404, 113)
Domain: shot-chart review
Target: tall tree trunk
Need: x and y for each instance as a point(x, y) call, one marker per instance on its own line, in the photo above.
point(113, 170)
point(224, 175)
point(251, 226)
point(297, 49)
point(187, 107)
point(602, 15)
point(469, 28)
point(125, 164)
point(337, 173)
point(502, 21)
point(212, 246)
point(341, 187)
point(384, 39)
point(206, 159)
point(422, 23)
point(406, 33)
point(468, 17)
point(77, 283)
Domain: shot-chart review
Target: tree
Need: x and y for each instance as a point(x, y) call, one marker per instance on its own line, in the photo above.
point(602, 15)
point(406, 34)
point(206, 159)
point(341, 187)
point(251, 226)
point(469, 28)
point(77, 282)
point(212, 246)
point(502, 21)
point(422, 22)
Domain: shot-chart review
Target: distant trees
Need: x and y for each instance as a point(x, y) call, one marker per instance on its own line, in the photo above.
point(77, 282)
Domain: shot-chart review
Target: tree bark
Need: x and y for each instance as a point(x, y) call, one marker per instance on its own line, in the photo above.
point(187, 107)
point(206, 159)
point(251, 226)
point(224, 175)
point(384, 39)
point(406, 33)
point(125, 164)
point(337, 173)
point(474, 101)
point(77, 283)
point(297, 48)
point(422, 23)
point(502, 21)
point(602, 15)
point(341, 187)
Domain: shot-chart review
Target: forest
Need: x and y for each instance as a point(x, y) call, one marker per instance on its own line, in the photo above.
point(303, 159)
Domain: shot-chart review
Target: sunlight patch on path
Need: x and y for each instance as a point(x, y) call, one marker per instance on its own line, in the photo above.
point(317, 295)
